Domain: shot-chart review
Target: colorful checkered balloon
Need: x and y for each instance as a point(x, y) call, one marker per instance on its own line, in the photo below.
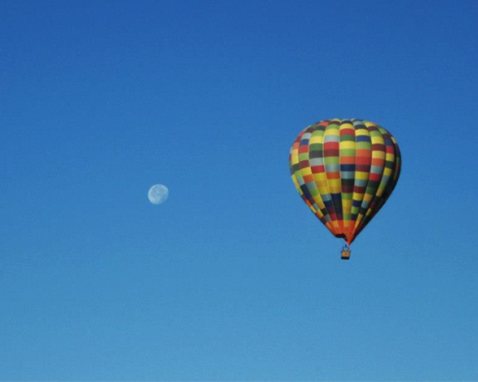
point(345, 170)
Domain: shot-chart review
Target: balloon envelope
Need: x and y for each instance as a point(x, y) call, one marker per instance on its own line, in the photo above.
point(345, 170)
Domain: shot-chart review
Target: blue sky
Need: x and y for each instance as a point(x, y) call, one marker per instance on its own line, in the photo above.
point(233, 277)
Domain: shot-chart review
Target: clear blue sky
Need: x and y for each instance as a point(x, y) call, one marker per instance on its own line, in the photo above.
point(233, 277)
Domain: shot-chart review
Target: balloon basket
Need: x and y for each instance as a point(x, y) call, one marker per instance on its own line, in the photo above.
point(345, 254)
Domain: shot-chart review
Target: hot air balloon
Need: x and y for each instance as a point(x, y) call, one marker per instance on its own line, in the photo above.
point(345, 170)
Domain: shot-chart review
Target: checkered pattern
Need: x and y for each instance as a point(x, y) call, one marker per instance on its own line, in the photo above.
point(345, 170)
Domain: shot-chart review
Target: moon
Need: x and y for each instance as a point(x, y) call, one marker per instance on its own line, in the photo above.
point(158, 194)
